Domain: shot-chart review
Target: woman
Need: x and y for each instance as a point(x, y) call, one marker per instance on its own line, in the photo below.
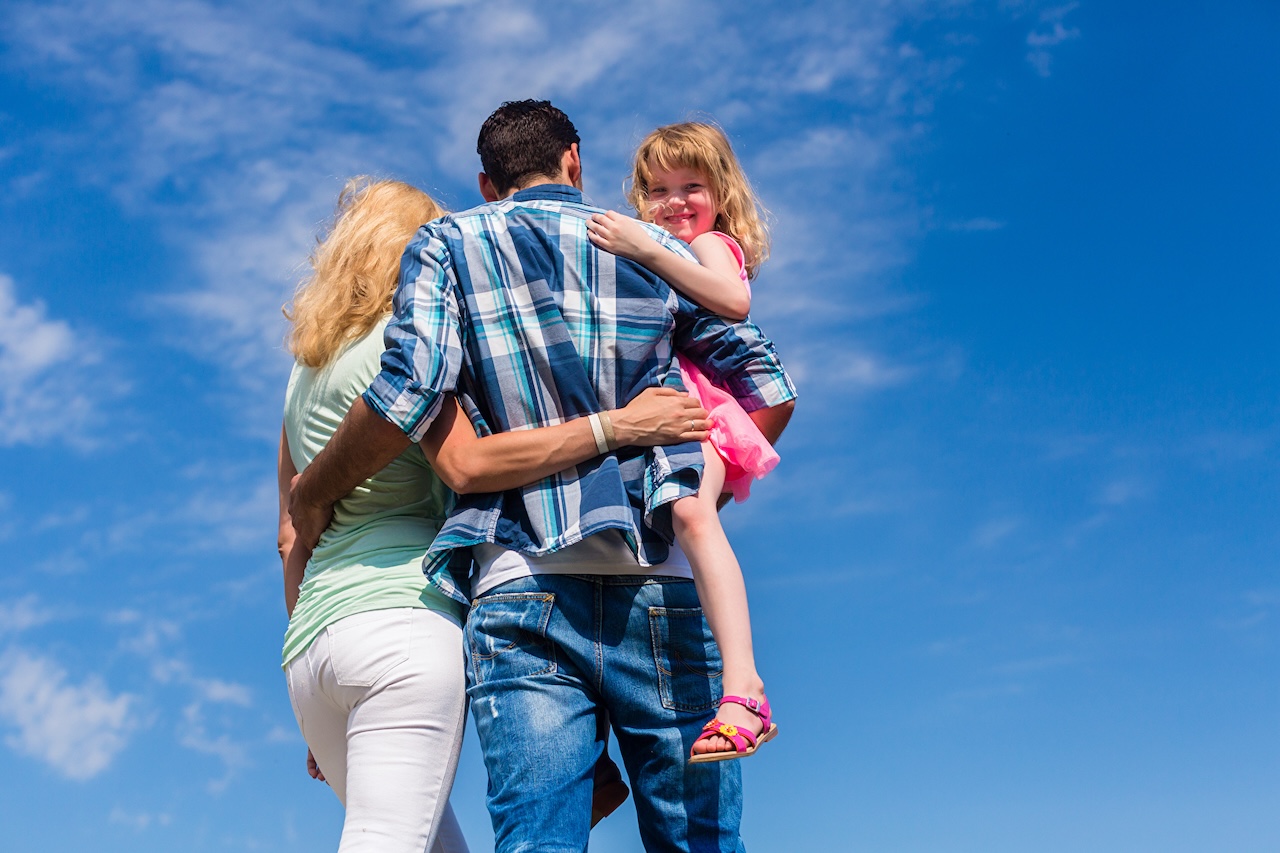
point(373, 655)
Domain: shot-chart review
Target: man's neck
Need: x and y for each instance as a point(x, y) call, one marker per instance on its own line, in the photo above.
point(558, 180)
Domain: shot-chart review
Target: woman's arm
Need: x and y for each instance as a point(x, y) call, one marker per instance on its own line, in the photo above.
point(713, 283)
point(508, 460)
point(293, 559)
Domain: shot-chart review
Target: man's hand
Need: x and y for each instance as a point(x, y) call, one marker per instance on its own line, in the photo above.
point(660, 416)
point(309, 520)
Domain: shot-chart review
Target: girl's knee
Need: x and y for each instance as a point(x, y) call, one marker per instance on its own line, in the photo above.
point(693, 514)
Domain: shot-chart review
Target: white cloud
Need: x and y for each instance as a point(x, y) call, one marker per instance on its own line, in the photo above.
point(991, 533)
point(266, 86)
point(1040, 41)
point(138, 820)
point(234, 519)
point(155, 639)
point(78, 729)
point(1122, 491)
point(42, 363)
point(194, 735)
point(23, 614)
point(214, 690)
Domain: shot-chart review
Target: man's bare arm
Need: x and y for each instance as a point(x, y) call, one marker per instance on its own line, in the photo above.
point(362, 446)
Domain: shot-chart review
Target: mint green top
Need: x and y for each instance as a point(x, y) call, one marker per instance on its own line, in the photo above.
point(370, 558)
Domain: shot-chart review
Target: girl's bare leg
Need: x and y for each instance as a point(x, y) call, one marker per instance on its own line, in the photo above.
point(723, 593)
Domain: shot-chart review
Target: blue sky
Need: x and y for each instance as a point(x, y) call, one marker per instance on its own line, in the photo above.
point(1015, 584)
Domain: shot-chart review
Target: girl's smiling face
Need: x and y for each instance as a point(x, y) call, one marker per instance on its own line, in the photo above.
point(680, 201)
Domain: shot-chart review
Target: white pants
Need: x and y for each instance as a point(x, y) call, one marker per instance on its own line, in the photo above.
point(380, 698)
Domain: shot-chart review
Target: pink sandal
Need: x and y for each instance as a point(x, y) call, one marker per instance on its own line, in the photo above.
point(744, 743)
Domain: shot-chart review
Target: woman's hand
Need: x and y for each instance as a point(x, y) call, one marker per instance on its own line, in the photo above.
point(660, 416)
point(313, 769)
point(622, 236)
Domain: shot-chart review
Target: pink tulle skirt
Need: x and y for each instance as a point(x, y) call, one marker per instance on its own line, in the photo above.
point(747, 454)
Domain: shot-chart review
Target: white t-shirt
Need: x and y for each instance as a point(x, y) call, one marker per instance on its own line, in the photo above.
point(605, 553)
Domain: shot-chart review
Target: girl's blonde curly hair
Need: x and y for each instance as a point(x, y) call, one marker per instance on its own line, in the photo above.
point(355, 267)
point(705, 149)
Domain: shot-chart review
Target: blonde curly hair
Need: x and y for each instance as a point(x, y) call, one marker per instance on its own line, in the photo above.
point(355, 267)
point(705, 149)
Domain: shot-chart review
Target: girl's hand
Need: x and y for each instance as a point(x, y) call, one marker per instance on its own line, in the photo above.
point(622, 236)
point(660, 416)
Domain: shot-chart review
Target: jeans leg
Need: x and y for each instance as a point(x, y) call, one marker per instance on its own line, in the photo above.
point(535, 709)
point(661, 684)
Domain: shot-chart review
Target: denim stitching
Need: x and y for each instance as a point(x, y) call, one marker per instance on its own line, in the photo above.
point(547, 598)
point(666, 677)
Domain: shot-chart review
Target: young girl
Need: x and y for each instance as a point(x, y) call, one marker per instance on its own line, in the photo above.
point(687, 180)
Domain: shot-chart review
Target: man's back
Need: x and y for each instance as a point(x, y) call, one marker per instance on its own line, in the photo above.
point(579, 329)
point(510, 304)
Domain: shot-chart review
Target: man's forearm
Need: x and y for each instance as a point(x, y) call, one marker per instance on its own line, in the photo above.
point(362, 446)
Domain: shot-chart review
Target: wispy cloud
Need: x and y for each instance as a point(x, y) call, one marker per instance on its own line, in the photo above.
point(1122, 491)
point(43, 373)
point(993, 532)
point(194, 734)
point(139, 821)
point(1027, 666)
point(77, 729)
point(263, 84)
point(23, 614)
point(154, 639)
point(1052, 32)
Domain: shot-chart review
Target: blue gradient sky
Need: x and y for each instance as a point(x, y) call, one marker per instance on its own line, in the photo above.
point(1015, 584)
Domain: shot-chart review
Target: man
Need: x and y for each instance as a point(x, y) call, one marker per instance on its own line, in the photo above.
point(580, 604)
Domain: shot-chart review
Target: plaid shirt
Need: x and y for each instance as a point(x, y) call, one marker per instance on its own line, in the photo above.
point(512, 308)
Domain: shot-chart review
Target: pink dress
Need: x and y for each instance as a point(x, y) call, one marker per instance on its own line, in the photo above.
point(747, 454)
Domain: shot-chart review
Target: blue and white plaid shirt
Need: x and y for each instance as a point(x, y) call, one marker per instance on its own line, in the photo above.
point(511, 307)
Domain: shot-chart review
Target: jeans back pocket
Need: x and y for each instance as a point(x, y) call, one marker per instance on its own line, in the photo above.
point(507, 636)
point(687, 658)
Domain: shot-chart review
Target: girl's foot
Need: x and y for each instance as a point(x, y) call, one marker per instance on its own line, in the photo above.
point(740, 726)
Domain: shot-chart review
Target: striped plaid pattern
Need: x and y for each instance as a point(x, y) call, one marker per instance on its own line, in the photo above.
point(512, 308)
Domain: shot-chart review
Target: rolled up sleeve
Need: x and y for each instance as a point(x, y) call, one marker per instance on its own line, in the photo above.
point(423, 353)
point(735, 356)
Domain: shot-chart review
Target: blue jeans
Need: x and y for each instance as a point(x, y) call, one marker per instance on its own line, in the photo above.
point(546, 656)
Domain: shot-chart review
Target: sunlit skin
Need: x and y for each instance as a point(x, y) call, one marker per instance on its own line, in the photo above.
point(682, 203)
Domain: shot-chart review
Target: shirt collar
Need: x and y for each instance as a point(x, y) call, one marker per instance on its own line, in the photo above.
point(549, 192)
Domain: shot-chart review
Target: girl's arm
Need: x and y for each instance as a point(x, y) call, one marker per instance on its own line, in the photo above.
point(509, 460)
point(713, 283)
point(293, 559)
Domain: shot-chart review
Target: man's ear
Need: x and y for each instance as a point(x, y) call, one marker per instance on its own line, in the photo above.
point(571, 165)
point(487, 190)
